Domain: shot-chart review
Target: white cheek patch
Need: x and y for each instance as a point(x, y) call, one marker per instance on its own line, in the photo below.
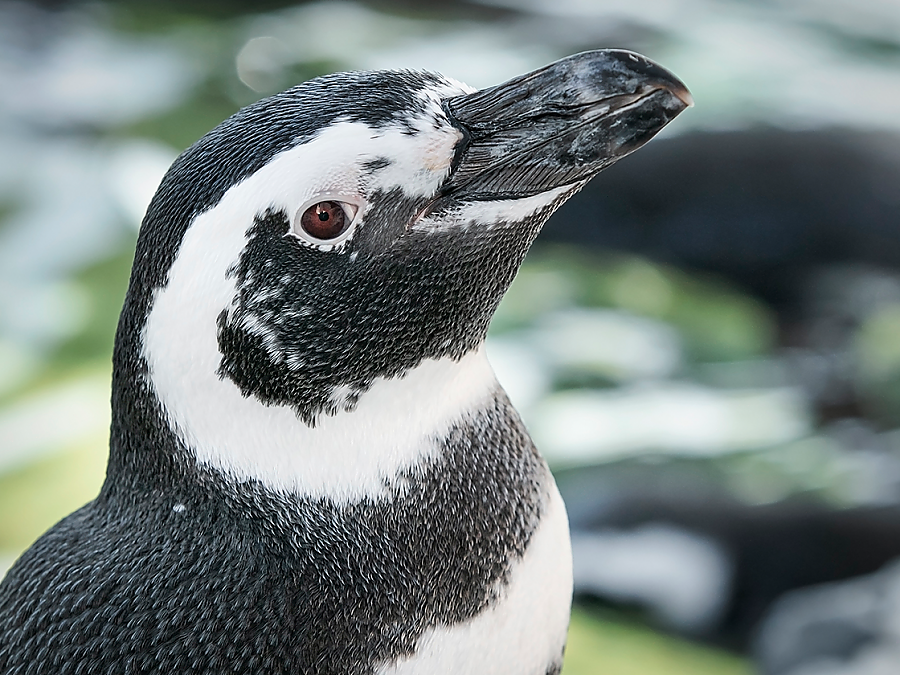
point(524, 633)
point(488, 213)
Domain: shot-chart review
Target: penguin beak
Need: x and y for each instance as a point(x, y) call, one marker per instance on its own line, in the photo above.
point(559, 125)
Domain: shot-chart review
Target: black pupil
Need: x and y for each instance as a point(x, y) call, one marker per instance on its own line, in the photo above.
point(323, 216)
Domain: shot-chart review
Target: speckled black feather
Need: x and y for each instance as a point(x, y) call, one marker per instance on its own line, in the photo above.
point(245, 581)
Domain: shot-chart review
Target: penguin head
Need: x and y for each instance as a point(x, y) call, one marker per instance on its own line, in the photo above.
point(358, 225)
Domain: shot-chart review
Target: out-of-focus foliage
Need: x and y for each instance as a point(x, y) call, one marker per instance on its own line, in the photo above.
point(610, 645)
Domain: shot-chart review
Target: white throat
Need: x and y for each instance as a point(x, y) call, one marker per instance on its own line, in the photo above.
point(346, 457)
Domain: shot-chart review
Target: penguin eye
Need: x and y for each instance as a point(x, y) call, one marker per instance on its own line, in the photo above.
point(326, 221)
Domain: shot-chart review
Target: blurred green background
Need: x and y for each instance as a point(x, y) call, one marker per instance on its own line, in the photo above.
point(611, 356)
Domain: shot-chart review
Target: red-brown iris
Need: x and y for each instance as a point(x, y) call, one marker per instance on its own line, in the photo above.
point(325, 220)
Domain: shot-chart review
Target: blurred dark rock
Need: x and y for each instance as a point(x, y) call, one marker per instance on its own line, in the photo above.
point(849, 628)
point(765, 208)
point(770, 549)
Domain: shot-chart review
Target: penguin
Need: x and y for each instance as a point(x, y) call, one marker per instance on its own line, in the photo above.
point(312, 467)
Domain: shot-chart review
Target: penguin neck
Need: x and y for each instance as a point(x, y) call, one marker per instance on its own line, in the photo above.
point(201, 420)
